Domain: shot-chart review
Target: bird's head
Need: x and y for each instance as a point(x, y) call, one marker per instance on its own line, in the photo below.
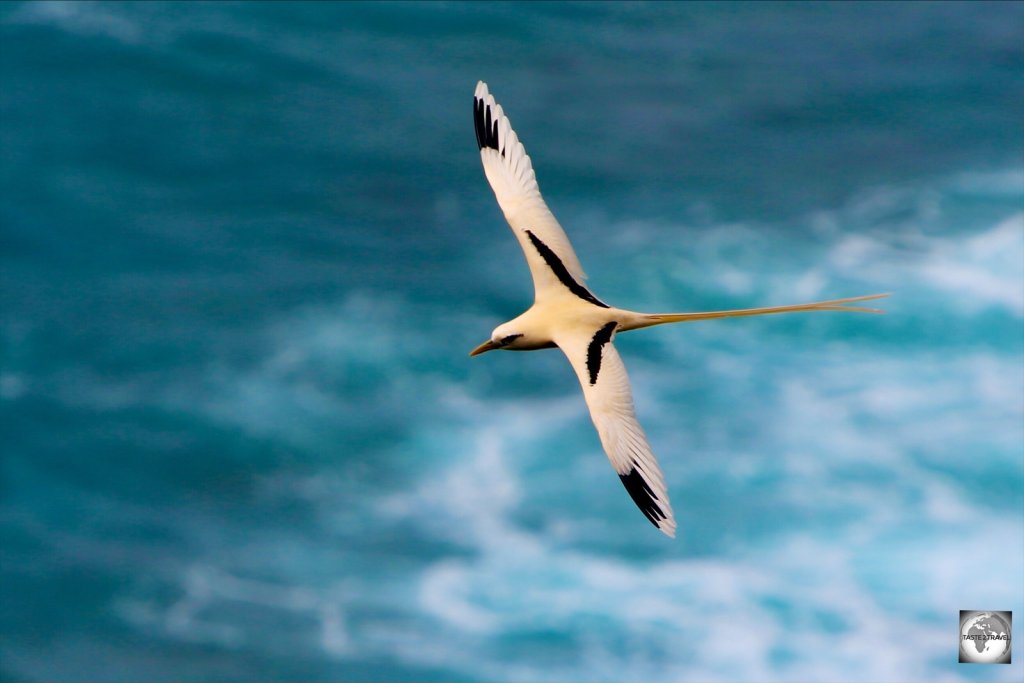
point(503, 337)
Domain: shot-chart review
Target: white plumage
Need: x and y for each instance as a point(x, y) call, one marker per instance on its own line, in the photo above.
point(566, 313)
point(510, 173)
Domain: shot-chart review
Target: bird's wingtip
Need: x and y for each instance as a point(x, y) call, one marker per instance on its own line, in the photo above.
point(657, 511)
point(481, 90)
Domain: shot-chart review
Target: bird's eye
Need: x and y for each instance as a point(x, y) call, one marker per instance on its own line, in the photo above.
point(505, 341)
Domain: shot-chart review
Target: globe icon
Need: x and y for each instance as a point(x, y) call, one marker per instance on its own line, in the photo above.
point(984, 638)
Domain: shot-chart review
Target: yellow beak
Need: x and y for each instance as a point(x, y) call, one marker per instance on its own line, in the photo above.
point(486, 346)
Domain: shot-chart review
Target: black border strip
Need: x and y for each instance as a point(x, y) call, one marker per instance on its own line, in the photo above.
point(560, 271)
point(595, 351)
point(486, 130)
point(643, 496)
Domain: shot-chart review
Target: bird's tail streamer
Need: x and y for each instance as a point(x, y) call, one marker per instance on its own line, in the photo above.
point(830, 305)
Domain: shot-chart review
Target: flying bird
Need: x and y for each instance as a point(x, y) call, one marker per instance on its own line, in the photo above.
point(567, 315)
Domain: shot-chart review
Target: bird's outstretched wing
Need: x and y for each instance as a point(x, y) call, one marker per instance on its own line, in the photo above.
point(606, 389)
point(553, 264)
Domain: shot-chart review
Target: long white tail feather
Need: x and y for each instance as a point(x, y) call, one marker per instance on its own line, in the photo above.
point(647, 320)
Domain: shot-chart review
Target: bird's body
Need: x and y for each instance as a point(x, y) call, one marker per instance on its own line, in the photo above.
point(567, 315)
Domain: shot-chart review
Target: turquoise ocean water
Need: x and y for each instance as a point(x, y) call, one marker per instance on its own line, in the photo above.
point(247, 247)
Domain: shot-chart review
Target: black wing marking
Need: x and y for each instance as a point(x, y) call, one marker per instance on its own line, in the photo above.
point(596, 348)
point(643, 496)
point(486, 129)
point(559, 269)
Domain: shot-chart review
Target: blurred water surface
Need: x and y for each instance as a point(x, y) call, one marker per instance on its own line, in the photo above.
point(246, 248)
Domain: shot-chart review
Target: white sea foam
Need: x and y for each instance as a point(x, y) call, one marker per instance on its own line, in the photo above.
point(871, 546)
point(783, 606)
point(906, 240)
point(1007, 182)
point(85, 18)
point(974, 272)
point(799, 610)
point(871, 600)
point(202, 612)
point(792, 607)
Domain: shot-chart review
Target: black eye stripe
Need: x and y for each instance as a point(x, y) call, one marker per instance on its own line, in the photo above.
point(505, 341)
